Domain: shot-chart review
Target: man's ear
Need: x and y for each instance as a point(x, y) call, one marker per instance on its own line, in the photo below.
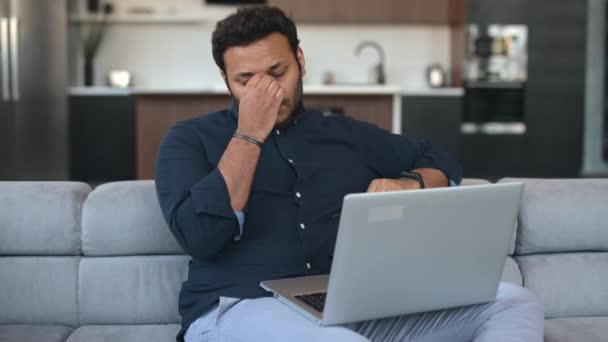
point(301, 60)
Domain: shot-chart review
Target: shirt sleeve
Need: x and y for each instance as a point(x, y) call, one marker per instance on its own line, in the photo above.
point(390, 154)
point(193, 195)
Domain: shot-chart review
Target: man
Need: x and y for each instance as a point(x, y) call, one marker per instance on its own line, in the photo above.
point(254, 193)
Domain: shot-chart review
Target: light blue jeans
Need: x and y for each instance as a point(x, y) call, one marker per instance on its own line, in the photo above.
point(516, 315)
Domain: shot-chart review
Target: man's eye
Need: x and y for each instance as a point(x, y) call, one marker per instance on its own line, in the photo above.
point(279, 73)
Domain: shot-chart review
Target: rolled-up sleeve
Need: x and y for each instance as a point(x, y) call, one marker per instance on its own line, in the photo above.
point(390, 154)
point(429, 156)
point(193, 195)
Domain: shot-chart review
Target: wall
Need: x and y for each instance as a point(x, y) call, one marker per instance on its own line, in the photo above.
point(179, 55)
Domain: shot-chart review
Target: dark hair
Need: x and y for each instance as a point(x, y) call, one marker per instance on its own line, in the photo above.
point(248, 25)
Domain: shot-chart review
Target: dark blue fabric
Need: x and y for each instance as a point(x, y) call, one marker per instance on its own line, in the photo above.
point(320, 158)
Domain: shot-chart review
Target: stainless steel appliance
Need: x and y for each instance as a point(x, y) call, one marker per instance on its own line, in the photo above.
point(33, 79)
point(497, 53)
point(495, 80)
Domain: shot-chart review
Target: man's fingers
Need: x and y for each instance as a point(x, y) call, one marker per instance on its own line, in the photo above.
point(380, 185)
point(265, 83)
point(280, 95)
point(273, 88)
point(372, 186)
point(253, 81)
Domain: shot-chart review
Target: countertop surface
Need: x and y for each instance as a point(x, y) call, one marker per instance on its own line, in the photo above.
point(346, 89)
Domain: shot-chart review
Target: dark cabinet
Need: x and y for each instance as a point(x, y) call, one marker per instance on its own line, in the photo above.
point(493, 156)
point(102, 138)
point(365, 11)
point(497, 11)
point(553, 104)
point(555, 91)
point(435, 118)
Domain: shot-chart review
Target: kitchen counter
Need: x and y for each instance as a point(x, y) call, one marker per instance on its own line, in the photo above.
point(346, 89)
point(394, 91)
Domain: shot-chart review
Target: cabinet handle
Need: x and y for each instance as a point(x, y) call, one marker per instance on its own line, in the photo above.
point(493, 128)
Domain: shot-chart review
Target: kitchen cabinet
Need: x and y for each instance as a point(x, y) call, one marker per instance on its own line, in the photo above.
point(493, 157)
point(440, 12)
point(436, 118)
point(102, 138)
point(439, 119)
point(156, 113)
point(554, 95)
point(555, 91)
point(484, 12)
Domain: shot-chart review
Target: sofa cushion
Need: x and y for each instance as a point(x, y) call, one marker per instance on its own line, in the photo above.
point(576, 329)
point(41, 218)
point(570, 284)
point(124, 218)
point(38, 290)
point(562, 215)
point(34, 333)
point(511, 272)
point(131, 290)
point(125, 333)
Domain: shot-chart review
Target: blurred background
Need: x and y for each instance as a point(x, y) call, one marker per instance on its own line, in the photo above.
point(88, 88)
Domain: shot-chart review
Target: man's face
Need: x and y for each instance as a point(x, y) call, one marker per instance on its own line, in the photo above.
point(272, 56)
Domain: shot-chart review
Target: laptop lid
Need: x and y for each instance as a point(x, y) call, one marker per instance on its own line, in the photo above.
point(415, 251)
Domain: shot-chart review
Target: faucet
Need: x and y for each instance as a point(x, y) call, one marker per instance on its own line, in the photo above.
point(379, 76)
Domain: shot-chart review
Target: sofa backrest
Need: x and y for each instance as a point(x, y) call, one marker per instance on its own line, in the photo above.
point(132, 267)
point(562, 244)
point(72, 256)
point(40, 251)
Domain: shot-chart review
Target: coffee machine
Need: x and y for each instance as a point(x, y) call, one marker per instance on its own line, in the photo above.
point(496, 53)
point(496, 65)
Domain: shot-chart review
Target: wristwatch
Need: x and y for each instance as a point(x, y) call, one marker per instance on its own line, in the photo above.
point(415, 176)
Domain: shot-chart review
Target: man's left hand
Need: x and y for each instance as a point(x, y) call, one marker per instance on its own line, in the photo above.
point(384, 184)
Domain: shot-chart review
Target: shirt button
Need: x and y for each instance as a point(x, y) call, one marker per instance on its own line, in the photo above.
point(308, 265)
point(302, 226)
point(278, 132)
point(298, 195)
point(290, 161)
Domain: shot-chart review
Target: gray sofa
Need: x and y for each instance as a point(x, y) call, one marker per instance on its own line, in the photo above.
point(82, 265)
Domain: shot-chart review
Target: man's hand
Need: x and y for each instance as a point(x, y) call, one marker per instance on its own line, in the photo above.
point(383, 185)
point(259, 106)
point(433, 178)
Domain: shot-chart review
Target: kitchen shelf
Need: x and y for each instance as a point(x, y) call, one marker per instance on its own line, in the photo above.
point(139, 19)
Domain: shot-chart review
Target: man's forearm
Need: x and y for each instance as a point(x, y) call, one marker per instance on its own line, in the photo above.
point(433, 178)
point(237, 166)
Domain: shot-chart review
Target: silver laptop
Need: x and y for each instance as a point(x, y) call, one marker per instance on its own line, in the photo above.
point(410, 251)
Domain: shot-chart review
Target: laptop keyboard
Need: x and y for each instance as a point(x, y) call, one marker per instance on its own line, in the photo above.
point(315, 300)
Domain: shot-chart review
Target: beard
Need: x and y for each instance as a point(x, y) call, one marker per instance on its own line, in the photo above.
point(295, 101)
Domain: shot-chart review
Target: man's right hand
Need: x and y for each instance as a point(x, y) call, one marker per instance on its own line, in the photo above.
point(259, 106)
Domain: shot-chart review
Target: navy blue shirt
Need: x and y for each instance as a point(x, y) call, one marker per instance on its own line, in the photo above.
point(291, 219)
